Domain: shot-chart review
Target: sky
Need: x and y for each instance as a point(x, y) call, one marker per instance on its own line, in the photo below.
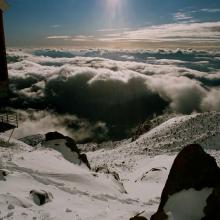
point(113, 23)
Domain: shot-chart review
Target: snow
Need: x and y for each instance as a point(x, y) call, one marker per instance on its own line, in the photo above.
point(82, 194)
point(193, 206)
point(89, 195)
point(60, 145)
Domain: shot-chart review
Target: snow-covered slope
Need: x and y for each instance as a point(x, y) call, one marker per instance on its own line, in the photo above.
point(79, 193)
point(169, 137)
point(182, 130)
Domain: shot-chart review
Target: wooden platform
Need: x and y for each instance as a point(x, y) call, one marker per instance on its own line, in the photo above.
point(6, 127)
point(8, 122)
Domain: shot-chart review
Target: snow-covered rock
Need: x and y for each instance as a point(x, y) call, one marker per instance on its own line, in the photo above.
point(41, 197)
point(191, 181)
point(3, 174)
point(67, 147)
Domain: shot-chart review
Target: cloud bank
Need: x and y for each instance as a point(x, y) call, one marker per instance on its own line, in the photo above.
point(112, 91)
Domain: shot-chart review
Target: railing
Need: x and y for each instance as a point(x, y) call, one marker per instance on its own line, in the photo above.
point(11, 119)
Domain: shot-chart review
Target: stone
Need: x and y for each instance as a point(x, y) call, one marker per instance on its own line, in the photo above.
point(192, 168)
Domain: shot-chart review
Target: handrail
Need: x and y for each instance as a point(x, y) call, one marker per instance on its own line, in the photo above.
point(11, 119)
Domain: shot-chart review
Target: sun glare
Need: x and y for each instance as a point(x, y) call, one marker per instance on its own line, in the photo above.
point(113, 8)
point(113, 2)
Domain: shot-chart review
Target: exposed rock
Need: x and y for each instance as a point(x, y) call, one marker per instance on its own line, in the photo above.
point(160, 215)
point(150, 172)
point(212, 210)
point(107, 171)
point(152, 123)
point(68, 210)
point(142, 129)
point(3, 174)
point(10, 207)
point(33, 140)
point(84, 159)
point(70, 144)
point(54, 136)
point(192, 168)
point(40, 197)
point(138, 217)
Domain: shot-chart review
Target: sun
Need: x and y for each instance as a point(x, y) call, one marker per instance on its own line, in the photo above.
point(113, 4)
point(114, 12)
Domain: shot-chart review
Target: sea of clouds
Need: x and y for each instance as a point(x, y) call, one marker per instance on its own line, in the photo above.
point(95, 95)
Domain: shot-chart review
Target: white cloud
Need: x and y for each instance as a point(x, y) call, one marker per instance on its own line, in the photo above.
point(210, 10)
point(206, 31)
point(82, 92)
point(59, 37)
point(56, 26)
point(182, 16)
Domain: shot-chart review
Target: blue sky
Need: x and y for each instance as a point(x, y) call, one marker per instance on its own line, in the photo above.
point(76, 22)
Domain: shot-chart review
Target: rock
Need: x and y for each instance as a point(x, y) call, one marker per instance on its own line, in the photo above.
point(138, 217)
point(33, 140)
point(192, 169)
point(84, 159)
point(70, 144)
point(3, 174)
point(105, 170)
point(10, 207)
point(54, 136)
point(40, 197)
point(68, 210)
point(212, 210)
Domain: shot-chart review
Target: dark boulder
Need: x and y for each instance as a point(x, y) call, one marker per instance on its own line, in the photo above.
point(212, 210)
point(192, 168)
point(41, 197)
point(138, 217)
point(84, 159)
point(3, 174)
point(70, 144)
point(54, 136)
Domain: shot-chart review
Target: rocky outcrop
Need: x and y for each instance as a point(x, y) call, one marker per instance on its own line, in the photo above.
point(193, 169)
point(33, 140)
point(40, 197)
point(105, 170)
point(70, 146)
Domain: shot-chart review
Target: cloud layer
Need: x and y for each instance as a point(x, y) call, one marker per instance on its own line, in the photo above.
point(112, 90)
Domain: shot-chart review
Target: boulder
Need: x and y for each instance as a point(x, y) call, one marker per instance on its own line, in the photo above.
point(41, 197)
point(33, 140)
point(212, 210)
point(192, 169)
point(3, 174)
point(69, 149)
point(138, 217)
point(104, 169)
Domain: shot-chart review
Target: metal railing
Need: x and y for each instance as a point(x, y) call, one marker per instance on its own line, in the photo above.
point(11, 119)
